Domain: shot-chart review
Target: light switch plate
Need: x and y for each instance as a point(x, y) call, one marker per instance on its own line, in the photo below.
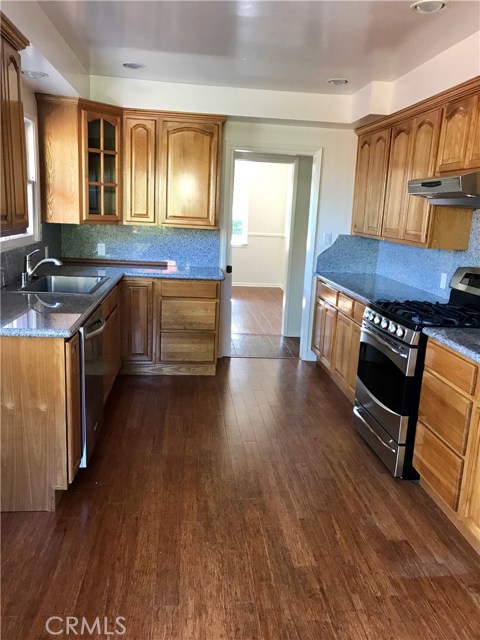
point(443, 281)
point(101, 249)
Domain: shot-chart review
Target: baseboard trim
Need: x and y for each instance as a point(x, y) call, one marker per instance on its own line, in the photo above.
point(256, 284)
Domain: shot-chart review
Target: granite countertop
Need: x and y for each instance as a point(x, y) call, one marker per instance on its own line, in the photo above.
point(465, 341)
point(368, 287)
point(52, 315)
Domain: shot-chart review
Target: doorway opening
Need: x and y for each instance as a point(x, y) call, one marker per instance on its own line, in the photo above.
point(270, 209)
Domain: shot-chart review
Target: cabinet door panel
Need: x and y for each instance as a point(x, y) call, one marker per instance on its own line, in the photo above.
point(190, 161)
point(328, 336)
point(361, 182)
point(74, 415)
point(377, 178)
point(470, 495)
point(140, 165)
point(473, 147)
point(341, 351)
point(425, 132)
point(446, 411)
point(137, 320)
point(396, 193)
point(438, 465)
point(353, 360)
point(454, 134)
point(318, 322)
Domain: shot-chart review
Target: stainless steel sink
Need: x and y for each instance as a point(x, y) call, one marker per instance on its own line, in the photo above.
point(65, 284)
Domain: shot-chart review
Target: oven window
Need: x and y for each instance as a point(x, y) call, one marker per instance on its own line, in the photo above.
point(384, 379)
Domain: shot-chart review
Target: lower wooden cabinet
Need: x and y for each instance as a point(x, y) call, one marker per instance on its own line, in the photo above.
point(336, 335)
point(41, 439)
point(170, 326)
point(112, 342)
point(447, 441)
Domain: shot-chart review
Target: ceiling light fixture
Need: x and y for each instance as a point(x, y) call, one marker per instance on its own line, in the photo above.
point(337, 82)
point(428, 6)
point(34, 75)
point(133, 65)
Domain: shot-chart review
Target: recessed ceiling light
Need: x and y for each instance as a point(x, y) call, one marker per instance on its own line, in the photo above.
point(428, 6)
point(337, 82)
point(133, 65)
point(34, 75)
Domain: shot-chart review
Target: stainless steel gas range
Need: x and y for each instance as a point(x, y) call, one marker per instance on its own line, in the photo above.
point(390, 368)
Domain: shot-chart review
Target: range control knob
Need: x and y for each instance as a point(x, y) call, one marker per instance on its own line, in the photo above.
point(400, 332)
point(377, 319)
point(384, 324)
point(392, 327)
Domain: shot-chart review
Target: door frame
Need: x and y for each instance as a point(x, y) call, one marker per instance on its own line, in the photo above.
point(230, 149)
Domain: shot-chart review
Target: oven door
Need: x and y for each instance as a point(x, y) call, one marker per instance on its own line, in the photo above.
point(386, 382)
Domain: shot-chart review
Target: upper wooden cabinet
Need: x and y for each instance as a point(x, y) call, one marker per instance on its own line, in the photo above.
point(141, 136)
point(418, 142)
point(190, 166)
point(80, 161)
point(372, 163)
point(459, 148)
point(13, 199)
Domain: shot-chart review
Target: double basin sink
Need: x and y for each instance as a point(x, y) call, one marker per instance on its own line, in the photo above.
point(64, 284)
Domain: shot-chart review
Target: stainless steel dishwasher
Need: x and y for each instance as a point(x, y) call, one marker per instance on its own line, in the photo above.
point(91, 349)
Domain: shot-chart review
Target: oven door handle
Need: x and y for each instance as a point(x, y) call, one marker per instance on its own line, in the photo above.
point(385, 343)
point(372, 431)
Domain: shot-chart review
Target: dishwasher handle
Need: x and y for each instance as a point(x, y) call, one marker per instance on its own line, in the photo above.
point(91, 334)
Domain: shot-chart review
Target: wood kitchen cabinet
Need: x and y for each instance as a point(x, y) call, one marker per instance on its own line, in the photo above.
point(437, 136)
point(138, 320)
point(41, 439)
point(141, 168)
point(372, 164)
point(189, 161)
point(459, 148)
point(13, 198)
point(336, 335)
point(447, 440)
point(80, 161)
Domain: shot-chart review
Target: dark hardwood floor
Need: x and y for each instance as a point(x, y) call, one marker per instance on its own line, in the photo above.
point(257, 324)
point(239, 507)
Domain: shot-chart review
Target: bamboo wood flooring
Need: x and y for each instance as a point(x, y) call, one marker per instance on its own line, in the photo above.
point(239, 507)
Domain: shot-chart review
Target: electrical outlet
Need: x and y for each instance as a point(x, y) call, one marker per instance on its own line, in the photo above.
point(46, 251)
point(101, 249)
point(327, 239)
point(443, 281)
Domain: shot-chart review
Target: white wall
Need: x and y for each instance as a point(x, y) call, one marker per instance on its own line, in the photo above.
point(262, 260)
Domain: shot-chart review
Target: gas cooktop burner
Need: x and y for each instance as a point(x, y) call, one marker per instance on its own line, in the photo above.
point(432, 314)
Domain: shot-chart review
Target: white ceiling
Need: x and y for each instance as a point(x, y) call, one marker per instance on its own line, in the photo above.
point(291, 46)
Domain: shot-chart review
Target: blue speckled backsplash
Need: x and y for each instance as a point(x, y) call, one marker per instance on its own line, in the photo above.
point(421, 268)
point(195, 247)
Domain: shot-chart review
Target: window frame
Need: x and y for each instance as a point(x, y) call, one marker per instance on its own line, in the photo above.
point(34, 231)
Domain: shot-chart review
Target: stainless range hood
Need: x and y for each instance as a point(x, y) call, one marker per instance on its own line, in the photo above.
point(449, 191)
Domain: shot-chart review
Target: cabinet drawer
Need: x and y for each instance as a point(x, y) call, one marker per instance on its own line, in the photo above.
point(445, 411)
point(189, 289)
point(187, 347)
point(327, 293)
point(438, 465)
point(452, 367)
point(345, 304)
point(193, 315)
point(358, 311)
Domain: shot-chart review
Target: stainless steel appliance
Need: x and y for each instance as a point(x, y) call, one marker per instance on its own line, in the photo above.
point(91, 345)
point(451, 191)
point(389, 375)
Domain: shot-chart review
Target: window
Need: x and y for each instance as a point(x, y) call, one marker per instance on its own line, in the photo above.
point(33, 232)
point(240, 205)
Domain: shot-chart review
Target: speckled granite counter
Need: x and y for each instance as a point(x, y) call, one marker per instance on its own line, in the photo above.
point(368, 287)
point(52, 315)
point(465, 341)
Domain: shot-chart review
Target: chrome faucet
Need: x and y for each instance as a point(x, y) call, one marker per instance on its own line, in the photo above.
point(28, 272)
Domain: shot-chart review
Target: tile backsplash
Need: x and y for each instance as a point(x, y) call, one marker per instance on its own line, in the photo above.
point(420, 268)
point(195, 247)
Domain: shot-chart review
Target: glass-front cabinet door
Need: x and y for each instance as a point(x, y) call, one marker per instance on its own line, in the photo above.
point(102, 201)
